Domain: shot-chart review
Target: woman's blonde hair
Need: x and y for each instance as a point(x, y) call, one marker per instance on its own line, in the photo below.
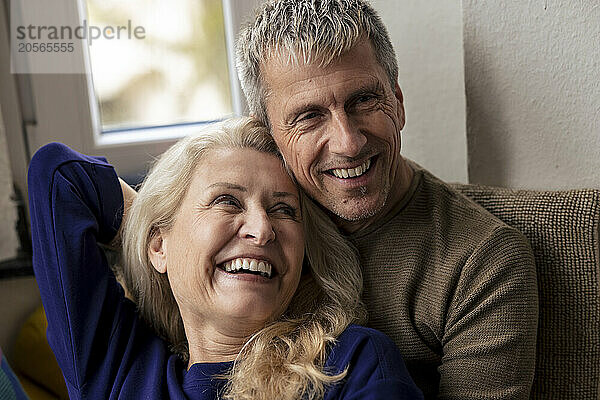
point(285, 359)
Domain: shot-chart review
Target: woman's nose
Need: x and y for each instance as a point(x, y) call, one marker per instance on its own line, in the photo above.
point(258, 227)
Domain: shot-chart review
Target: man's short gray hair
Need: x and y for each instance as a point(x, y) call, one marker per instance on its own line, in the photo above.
point(308, 32)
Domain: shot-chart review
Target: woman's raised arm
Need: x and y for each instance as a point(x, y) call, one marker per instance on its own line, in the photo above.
point(76, 202)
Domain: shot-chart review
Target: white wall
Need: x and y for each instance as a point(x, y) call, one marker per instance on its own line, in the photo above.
point(428, 40)
point(532, 74)
point(8, 212)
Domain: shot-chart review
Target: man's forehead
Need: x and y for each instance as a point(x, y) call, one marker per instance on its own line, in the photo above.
point(359, 63)
point(281, 63)
point(298, 55)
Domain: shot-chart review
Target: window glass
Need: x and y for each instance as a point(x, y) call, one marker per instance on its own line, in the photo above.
point(172, 70)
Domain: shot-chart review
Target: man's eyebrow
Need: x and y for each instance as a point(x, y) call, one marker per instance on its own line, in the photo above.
point(228, 185)
point(375, 87)
point(370, 87)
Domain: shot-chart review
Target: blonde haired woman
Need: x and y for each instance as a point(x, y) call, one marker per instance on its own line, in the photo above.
point(242, 288)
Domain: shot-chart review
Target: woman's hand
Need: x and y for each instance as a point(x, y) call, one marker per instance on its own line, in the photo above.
point(129, 194)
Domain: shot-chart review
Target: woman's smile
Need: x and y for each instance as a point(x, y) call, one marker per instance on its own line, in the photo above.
point(252, 266)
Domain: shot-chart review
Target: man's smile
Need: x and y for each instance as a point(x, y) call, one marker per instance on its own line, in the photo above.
point(352, 172)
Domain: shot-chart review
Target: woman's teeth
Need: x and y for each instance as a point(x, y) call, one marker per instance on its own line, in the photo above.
point(345, 173)
point(258, 267)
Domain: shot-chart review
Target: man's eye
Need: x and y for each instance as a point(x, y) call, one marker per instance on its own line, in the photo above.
point(364, 98)
point(226, 200)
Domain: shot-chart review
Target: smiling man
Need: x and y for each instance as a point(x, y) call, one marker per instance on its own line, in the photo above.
point(453, 286)
point(337, 126)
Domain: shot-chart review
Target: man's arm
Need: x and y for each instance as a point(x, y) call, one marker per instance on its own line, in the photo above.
point(490, 333)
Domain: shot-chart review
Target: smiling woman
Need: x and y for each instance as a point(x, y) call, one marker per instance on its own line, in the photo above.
point(242, 288)
point(236, 215)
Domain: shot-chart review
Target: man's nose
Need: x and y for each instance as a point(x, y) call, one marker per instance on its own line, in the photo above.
point(257, 227)
point(345, 138)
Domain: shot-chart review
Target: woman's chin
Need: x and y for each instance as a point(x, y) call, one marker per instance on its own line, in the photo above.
point(250, 311)
point(248, 295)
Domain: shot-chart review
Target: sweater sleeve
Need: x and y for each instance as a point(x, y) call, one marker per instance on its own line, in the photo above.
point(75, 202)
point(490, 332)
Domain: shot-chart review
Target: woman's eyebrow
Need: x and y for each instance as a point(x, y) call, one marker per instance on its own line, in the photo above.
point(284, 194)
point(228, 185)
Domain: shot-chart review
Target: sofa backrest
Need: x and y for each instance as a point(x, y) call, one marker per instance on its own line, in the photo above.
point(563, 229)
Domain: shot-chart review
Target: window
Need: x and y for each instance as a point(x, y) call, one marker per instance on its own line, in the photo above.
point(138, 96)
point(172, 71)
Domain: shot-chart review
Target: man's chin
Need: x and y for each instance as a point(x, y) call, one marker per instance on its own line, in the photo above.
point(357, 210)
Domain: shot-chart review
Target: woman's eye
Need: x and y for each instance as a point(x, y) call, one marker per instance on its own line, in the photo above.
point(285, 210)
point(308, 116)
point(226, 200)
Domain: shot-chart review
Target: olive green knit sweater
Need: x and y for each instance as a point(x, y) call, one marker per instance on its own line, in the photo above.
point(456, 290)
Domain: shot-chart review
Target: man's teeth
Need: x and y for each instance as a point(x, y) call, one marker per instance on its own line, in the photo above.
point(352, 172)
point(249, 264)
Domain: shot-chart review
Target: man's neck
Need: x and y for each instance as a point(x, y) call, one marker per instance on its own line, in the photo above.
point(399, 189)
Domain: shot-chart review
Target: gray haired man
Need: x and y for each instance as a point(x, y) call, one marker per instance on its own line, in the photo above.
point(453, 286)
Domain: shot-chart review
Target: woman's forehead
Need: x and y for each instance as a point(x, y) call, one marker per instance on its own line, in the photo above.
point(244, 167)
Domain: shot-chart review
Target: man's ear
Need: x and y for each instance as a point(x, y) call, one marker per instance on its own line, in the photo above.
point(400, 97)
point(157, 252)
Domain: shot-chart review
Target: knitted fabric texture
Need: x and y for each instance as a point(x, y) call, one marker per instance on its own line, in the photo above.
point(456, 289)
point(563, 229)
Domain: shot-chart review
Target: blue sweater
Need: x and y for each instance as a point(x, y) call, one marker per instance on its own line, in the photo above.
point(103, 348)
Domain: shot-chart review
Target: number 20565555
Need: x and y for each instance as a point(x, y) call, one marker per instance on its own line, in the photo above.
point(45, 47)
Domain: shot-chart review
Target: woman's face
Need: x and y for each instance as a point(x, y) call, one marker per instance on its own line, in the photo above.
point(234, 255)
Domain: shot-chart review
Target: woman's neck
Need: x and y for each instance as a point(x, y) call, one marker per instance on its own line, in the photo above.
point(209, 344)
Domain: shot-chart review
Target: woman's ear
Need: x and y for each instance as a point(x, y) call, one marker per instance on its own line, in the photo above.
point(157, 252)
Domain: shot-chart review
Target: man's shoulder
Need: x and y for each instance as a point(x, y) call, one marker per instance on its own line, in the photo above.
point(437, 206)
point(436, 234)
point(442, 197)
point(438, 219)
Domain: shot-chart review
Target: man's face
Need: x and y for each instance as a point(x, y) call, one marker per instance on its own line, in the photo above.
point(338, 128)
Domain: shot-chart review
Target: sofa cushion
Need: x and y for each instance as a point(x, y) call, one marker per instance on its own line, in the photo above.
point(563, 229)
point(34, 360)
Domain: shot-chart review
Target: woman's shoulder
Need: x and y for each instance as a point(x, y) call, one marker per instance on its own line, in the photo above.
point(374, 366)
point(354, 330)
point(368, 349)
point(355, 336)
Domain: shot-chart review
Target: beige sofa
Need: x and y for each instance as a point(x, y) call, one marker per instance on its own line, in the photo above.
point(563, 229)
